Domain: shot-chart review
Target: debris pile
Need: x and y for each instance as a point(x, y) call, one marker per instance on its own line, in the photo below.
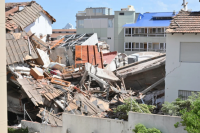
point(76, 74)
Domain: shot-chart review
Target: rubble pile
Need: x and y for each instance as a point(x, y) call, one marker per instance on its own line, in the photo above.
point(40, 89)
point(76, 74)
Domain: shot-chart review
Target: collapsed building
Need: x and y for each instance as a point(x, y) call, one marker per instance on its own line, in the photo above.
point(77, 74)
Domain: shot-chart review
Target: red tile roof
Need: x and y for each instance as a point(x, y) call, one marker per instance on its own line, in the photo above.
point(185, 22)
point(23, 18)
point(109, 57)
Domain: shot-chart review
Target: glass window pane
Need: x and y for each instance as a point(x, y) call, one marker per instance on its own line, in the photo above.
point(137, 45)
point(133, 45)
point(129, 44)
point(126, 45)
point(154, 30)
point(161, 45)
point(150, 45)
point(159, 30)
point(136, 30)
point(141, 45)
point(110, 23)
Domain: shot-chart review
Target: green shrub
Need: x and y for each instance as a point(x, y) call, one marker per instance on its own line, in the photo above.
point(130, 105)
point(21, 130)
point(175, 107)
point(140, 128)
point(191, 118)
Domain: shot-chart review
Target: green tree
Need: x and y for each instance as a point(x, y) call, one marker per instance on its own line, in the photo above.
point(130, 105)
point(140, 128)
point(191, 118)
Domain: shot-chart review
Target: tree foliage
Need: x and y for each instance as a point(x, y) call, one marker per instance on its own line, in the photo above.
point(131, 105)
point(175, 107)
point(191, 118)
point(140, 128)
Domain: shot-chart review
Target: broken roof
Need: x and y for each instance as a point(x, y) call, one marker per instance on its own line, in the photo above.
point(141, 66)
point(38, 43)
point(22, 18)
point(17, 48)
point(185, 22)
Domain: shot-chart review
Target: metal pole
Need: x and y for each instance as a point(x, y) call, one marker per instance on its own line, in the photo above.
point(24, 113)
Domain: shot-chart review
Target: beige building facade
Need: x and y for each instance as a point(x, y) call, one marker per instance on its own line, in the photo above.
point(3, 94)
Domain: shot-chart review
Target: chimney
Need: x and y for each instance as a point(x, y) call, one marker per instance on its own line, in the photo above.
point(184, 5)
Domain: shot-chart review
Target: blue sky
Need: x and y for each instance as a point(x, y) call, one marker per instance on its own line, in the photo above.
point(64, 11)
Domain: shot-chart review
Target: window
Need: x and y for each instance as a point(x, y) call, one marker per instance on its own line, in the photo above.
point(127, 31)
point(141, 30)
point(159, 30)
point(80, 24)
point(137, 45)
point(150, 46)
point(109, 37)
point(110, 23)
point(162, 46)
point(189, 52)
point(154, 30)
point(121, 13)
point(128, 46)
point(136, 30)
point(94, 11)
point(183, 94)
point(141, 45)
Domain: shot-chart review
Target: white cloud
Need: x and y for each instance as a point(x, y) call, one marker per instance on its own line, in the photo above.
point(162, 5)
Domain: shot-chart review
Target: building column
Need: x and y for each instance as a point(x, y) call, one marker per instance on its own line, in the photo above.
point(131, 32)
point(124, 32)
point(164, 32)
point(147, 32)
point(3, 94)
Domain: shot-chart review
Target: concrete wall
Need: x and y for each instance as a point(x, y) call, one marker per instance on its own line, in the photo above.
point(42, 25)
point(84, 124)
point(99, 26)
point(164, 123)
point(91, 40)
point(3, 94)
point(120, 20)
point(180, 75)
point(41, 128)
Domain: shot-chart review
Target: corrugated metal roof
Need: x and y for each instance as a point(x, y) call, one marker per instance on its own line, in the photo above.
point(88, 53)
point(146, 20)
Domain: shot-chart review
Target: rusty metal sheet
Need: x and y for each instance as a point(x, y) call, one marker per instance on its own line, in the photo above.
point(87, 53)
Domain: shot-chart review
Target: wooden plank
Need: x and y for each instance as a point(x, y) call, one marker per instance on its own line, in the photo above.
point(91, 55)
point(81, 55)
point(60, 82)
point(98, 57)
